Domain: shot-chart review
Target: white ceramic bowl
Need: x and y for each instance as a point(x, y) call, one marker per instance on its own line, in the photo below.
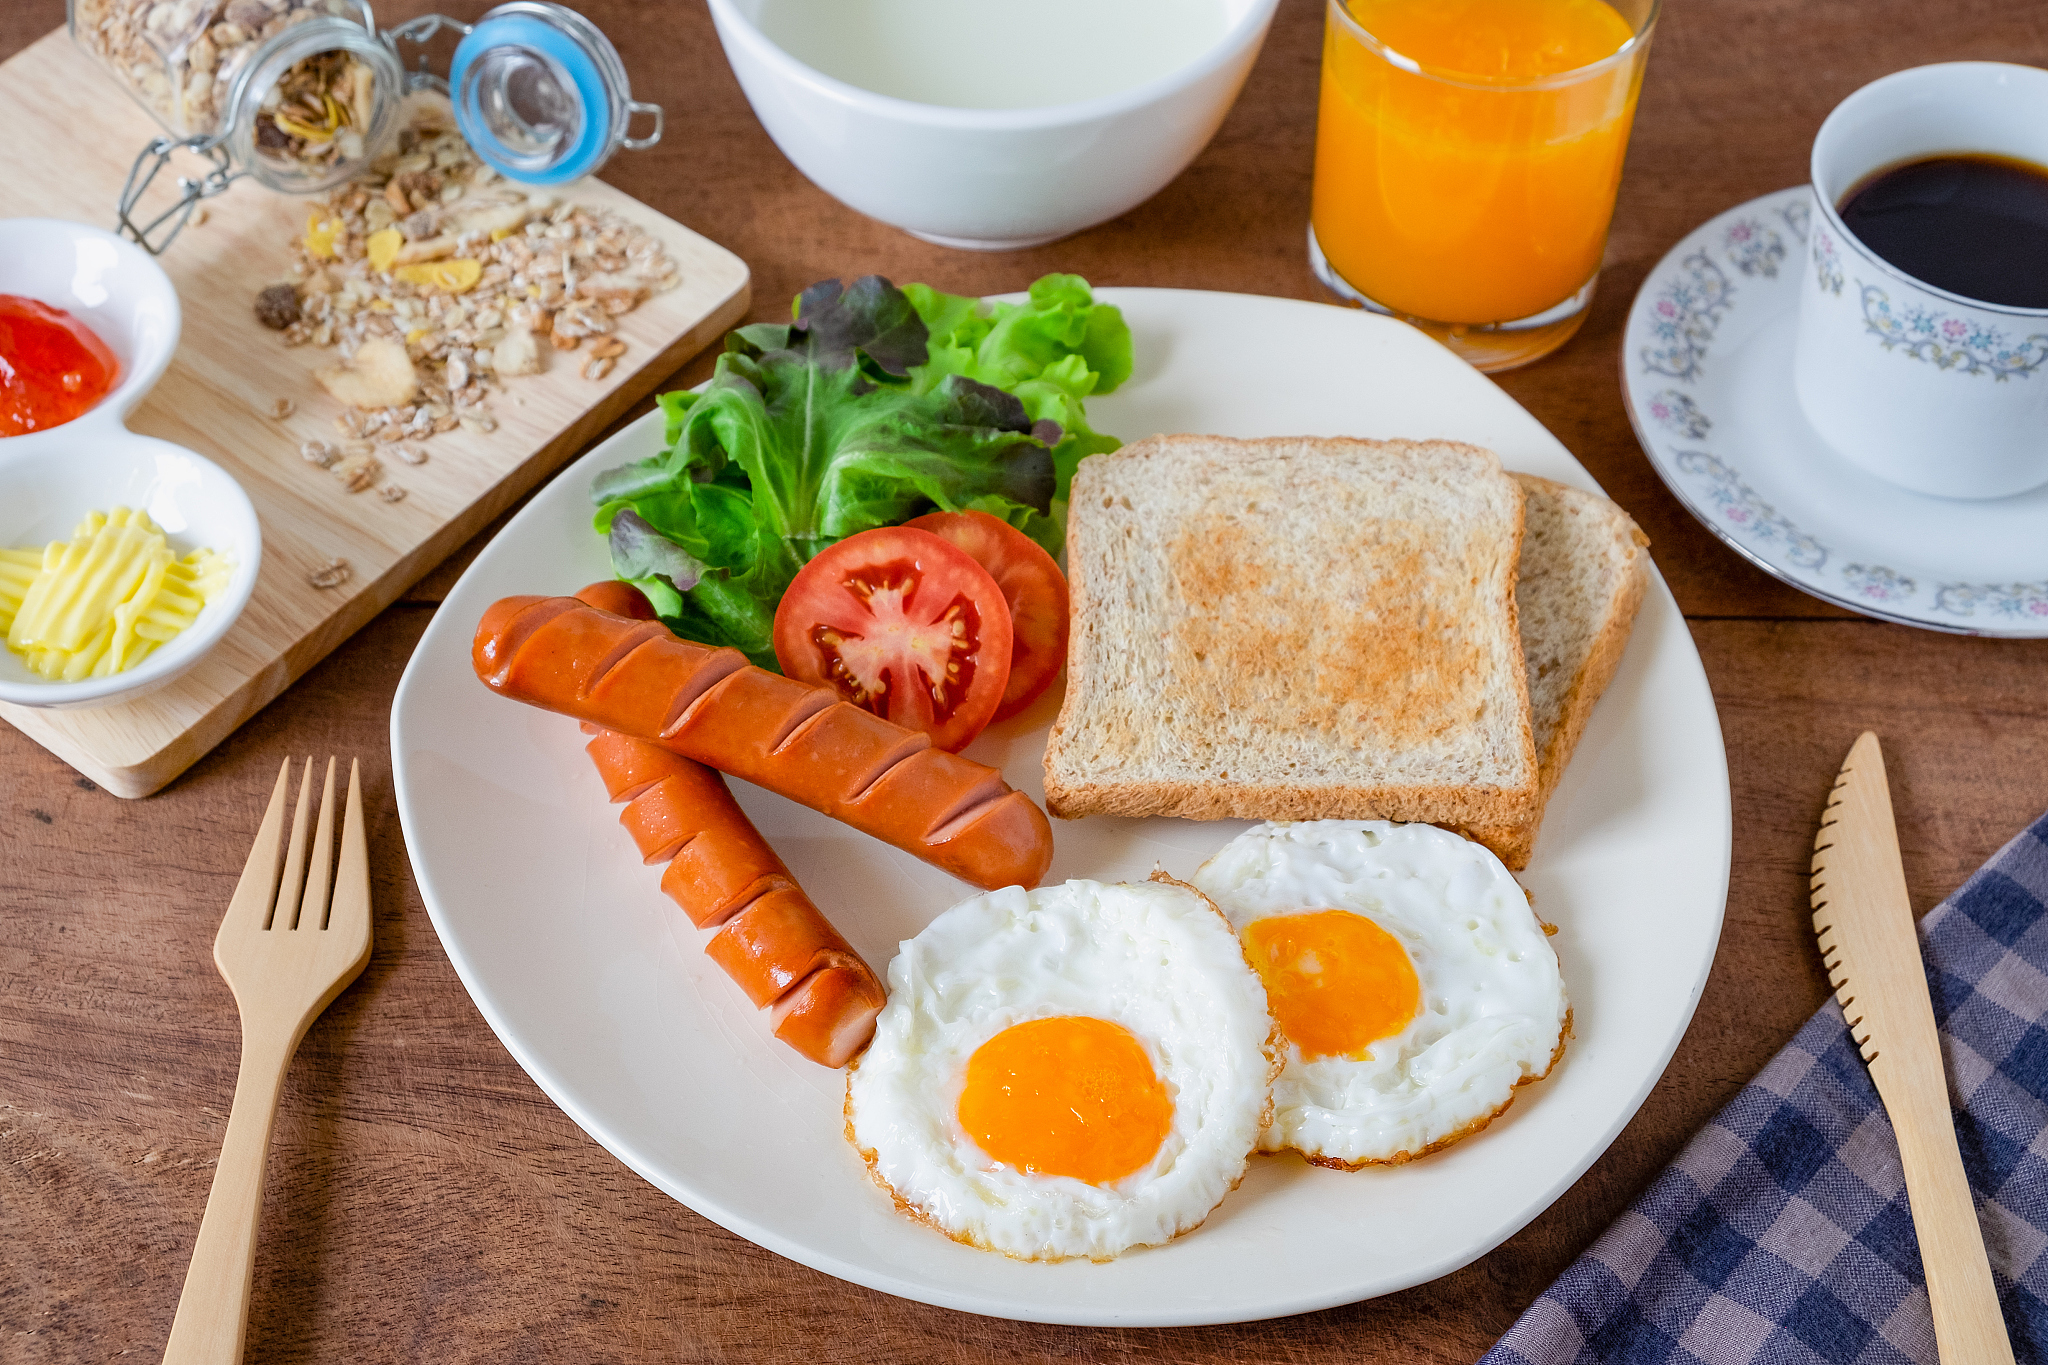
point(50, 479)
point(989, 179)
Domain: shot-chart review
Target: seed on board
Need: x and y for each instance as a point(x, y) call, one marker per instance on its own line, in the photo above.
point(282, 408)
point(319, 453)
point(598, 366)
point(334, 575)
point(391, 492)
point(358, 472)
point(411, 454)
point(607, 346)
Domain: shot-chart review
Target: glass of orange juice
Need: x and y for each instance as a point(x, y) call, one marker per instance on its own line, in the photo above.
point(1467, 156)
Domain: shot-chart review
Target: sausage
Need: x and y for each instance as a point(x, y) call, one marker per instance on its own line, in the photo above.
point(618, 597)
point(771, 940)
point(795, 738)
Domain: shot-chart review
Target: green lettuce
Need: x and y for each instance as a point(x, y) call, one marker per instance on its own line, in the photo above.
point(1052, 351)
point(873, 406)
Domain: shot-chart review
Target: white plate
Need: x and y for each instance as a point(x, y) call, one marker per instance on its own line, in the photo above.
point(1706, 367)
point(565, 942)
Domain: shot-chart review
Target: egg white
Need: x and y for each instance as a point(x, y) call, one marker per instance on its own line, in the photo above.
point(1493, 1012)
point(1154, 957)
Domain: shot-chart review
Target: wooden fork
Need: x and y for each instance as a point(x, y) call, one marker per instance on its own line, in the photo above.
point(285, 953)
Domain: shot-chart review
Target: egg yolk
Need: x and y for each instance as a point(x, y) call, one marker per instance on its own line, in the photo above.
point(1068, 1096)
point(1337, 982)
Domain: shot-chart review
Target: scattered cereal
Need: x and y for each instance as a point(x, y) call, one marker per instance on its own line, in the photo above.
point(282, 408)
point(598, 366)
point(391, 492)
point(459, 273)
point(608, 346)
point(319, 453)
point(411, 454)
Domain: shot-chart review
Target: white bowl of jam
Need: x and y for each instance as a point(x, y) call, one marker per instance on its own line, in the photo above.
point(88, 323)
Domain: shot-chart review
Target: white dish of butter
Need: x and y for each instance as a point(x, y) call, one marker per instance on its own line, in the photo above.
point(123, 559)
point(51, 479)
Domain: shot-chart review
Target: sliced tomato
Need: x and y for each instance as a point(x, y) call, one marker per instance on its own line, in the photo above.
point(903, 624)
point(618, 597)
point(1034, 589)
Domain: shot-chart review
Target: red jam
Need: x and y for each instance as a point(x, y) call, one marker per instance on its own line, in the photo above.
point(52, 366)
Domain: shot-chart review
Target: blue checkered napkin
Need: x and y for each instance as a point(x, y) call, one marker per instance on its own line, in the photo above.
point(1782, 1236)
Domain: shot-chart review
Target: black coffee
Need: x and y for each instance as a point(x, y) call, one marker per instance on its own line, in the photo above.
point(1973, 225)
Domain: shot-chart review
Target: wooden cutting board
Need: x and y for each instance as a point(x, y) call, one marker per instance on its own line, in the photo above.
point(71, 134)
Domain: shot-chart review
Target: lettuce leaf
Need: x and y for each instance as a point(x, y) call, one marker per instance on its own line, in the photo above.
point(1052, 351)
point(838, 422)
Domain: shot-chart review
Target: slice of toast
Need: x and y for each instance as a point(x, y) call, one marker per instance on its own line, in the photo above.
point(1295, 629)
point(1584, 568)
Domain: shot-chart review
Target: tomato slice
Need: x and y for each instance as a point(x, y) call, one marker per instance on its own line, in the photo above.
point(1032, 585)
point(903, 624)
point(618, 597)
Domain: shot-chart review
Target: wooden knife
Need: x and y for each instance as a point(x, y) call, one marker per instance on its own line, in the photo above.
point(1865, 925)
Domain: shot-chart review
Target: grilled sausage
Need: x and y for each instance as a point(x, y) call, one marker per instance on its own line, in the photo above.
point(722, 873)
point(795, 738)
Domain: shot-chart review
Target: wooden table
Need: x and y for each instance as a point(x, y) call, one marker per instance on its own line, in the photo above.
point(427, 1202)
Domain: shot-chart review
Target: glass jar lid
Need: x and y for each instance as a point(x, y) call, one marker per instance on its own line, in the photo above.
point(541, 95)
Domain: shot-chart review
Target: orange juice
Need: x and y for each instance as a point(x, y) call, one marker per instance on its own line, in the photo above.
point(1466, 158)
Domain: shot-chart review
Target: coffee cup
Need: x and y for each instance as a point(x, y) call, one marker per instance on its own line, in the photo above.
point(1924, 387)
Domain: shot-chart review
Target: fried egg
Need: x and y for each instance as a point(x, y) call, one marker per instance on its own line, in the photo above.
point(1413, 982)
point(1066, 1072)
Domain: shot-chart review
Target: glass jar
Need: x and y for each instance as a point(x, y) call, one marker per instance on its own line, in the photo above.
point(180, 59)
point(304, 94)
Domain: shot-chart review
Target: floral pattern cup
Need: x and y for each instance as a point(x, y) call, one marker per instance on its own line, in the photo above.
point(1927, 389)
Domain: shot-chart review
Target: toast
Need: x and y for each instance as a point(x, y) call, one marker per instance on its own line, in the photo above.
point(1583, 572)
point(1295, 629)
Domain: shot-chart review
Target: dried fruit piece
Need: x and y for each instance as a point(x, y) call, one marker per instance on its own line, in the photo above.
point(277, 307)
point(518, 353)
point(450, 277)
point(379, 376)
point(321, 234)
point(383, 247)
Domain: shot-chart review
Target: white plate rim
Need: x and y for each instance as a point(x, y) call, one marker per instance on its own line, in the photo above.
point(1683, 981)
point(1791, 209)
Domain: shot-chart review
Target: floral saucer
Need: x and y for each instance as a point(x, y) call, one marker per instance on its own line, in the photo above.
point(1706, 371)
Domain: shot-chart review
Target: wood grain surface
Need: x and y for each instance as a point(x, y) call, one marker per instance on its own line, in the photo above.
point(428, 1203)
point(68, 155)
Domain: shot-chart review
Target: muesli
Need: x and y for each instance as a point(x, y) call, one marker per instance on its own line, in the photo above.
point(435, 280)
